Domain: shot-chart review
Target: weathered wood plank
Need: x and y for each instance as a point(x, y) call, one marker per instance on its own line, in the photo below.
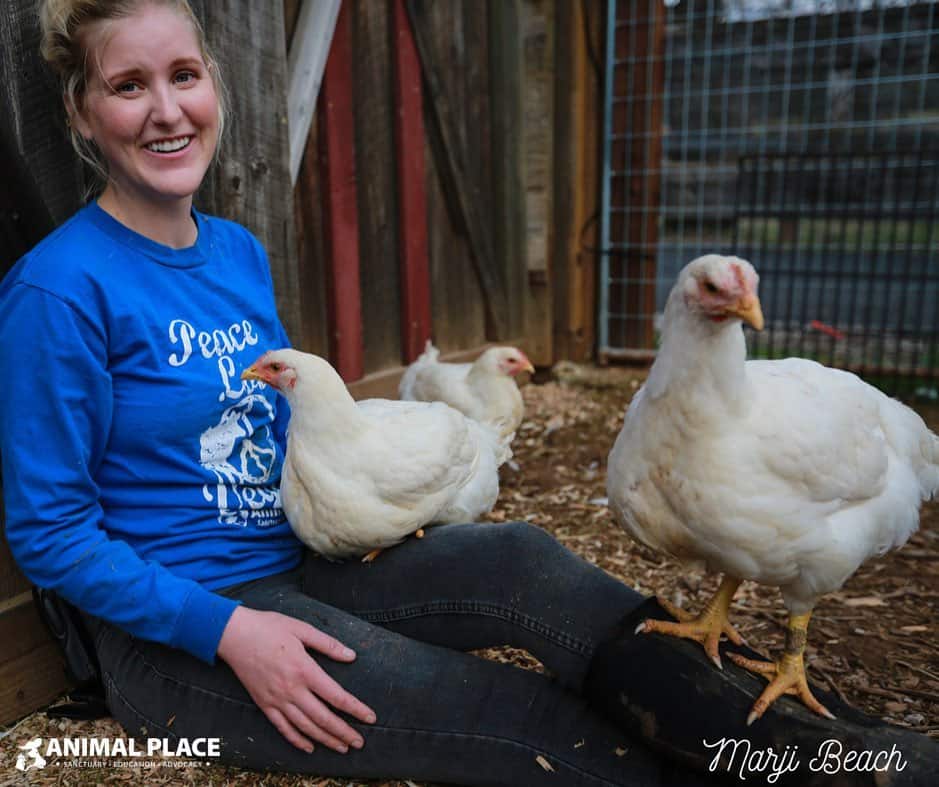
point(12, 581)
point(459, 173)
point(34, 114)
point(575, 173)
point(341, 222)
point(24, 218)
point(252, 184)
point(305, 63)
point(411, 188)
point(458, 312)
point(507, 124)
point(32, 670)
point(311, 250)
point(537, 39)
point(458, 309)
point(375, 179)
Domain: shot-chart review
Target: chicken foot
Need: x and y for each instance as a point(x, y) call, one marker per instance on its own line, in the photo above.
point(419, 533)
point(707, 627)
point(786, 676)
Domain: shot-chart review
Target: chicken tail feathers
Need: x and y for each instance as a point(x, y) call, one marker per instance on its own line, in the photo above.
point(406, 388)
point(430, 353)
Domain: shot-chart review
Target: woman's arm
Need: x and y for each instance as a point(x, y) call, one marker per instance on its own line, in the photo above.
point(54, 429)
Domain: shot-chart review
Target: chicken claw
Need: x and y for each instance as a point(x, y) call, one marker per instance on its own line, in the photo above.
point(786, 676)
point(419, 533)
point(706, 628)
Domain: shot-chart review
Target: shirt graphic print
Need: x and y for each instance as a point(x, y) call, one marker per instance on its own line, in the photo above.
point(239, 451)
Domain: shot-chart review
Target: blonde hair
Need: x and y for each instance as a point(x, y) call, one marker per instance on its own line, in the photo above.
point(63, 27)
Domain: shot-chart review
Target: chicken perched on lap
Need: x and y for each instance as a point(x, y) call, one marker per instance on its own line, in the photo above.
point(785, 472)
point(360, 477)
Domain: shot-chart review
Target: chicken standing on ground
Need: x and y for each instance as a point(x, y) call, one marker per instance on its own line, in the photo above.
point(785, 472)
point(483, 390)
point(360, 477)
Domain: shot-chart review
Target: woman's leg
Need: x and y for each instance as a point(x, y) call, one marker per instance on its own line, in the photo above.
point(443, 716)
point(478, 585)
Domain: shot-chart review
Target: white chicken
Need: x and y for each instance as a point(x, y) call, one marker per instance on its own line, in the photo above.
point(784, 472)
point(483, 390)
point(360, 477)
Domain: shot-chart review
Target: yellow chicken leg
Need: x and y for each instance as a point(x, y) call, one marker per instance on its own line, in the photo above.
point(786, 676)
point(419, 533)
point(707, 627)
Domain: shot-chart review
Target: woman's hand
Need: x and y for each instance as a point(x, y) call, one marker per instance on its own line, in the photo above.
point(267, 651)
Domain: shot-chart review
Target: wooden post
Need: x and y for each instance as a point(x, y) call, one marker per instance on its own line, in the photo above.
point(537, 43)
point(646, 91)
point(341, 218)
point(456, 170)
point(507, 118)
point(412, 195)
point(576, 148)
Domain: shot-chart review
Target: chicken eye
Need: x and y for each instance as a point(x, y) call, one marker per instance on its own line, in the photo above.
point(711, 287)
point(275, 367)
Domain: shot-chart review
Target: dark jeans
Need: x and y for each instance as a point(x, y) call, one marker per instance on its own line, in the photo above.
point(443, 715)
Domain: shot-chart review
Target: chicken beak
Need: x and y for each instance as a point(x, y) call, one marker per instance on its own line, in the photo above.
point(251, 374)
point(528, 367)
point(749, 310)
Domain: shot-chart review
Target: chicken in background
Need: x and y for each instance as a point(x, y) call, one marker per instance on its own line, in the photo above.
point(786, 472)
point(359, 477)
point(484, 390)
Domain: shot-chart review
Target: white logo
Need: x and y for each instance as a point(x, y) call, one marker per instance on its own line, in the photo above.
point(242, 459)
point(30, 757)
point(240, 451)
point(101, 752)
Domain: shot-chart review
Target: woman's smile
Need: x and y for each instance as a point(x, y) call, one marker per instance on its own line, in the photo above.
point(169, 146)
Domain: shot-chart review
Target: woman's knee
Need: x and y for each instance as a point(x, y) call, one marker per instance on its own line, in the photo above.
point(528, 541)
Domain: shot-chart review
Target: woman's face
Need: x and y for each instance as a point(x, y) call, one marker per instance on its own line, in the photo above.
point(150, 106)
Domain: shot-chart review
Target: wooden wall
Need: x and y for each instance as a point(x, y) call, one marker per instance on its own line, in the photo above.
point(469, 143)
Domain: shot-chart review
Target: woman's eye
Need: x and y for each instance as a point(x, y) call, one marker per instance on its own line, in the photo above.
point(185, 76)
point(127, 87)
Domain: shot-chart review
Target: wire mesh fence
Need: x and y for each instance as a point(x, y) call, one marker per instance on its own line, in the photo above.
point(800, 134)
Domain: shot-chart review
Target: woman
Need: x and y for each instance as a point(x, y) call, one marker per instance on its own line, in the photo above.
point(141, 483)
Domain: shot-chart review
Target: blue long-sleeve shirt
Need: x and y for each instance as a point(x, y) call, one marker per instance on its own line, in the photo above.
point(140, 473)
